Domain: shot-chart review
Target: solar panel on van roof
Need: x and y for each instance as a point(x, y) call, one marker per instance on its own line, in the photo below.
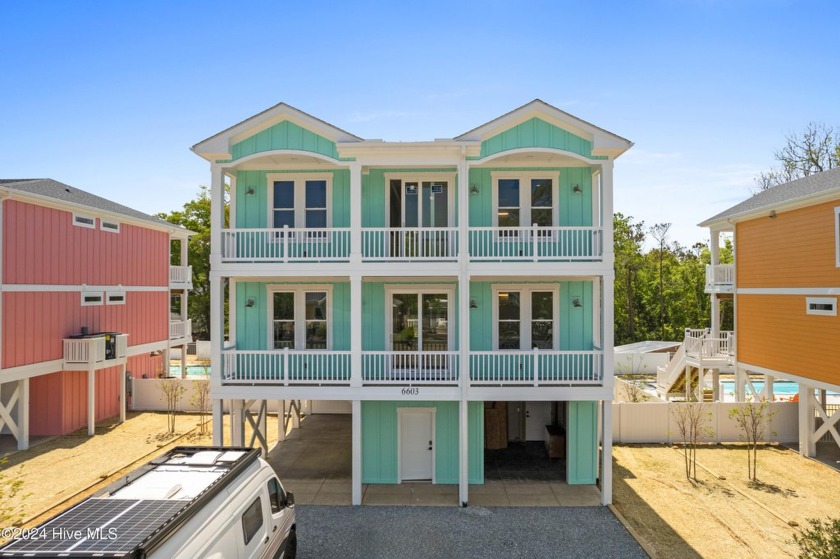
point(110, 527)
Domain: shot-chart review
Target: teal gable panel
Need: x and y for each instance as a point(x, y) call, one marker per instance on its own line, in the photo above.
point(537, 133)
point(284, 135)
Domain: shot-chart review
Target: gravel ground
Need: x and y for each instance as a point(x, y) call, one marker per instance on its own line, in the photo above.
point(325, 532)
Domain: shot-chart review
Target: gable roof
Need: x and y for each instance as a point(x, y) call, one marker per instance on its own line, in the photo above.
point(218, 145)
point(49, 188)
point(603, 141)
point(789, 193)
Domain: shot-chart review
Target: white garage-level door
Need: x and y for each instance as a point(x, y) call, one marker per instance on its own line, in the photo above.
point(417, 427)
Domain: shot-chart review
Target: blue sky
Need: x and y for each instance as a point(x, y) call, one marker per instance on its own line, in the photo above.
point(109, 97)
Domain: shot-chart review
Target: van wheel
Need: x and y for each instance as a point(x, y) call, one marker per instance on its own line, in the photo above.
point(291, 546)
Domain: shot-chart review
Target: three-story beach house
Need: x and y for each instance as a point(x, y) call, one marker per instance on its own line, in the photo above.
point(87, 286)
point(420, 282)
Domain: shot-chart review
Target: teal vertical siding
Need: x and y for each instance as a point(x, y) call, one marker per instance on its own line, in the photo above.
point(582, 455)
point(252, 323)
point(572, 209)
point(375, 196)
point(284, 135)
point(574, 323)
point(380, 435)
point(252, 209)
point(537, 133)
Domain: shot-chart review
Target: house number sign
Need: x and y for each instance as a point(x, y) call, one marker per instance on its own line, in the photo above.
point(411, 391)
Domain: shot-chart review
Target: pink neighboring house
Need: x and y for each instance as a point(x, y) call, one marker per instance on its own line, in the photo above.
point(87, 292)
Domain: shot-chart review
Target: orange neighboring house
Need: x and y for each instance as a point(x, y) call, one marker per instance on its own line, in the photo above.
point(786, 283)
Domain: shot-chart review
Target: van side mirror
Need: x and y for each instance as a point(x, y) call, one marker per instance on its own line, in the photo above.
point(290, 499)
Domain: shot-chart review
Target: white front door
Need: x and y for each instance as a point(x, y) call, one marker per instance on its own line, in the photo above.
point(416, 444)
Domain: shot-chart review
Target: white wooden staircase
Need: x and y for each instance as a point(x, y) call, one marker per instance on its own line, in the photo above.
point(698, 354)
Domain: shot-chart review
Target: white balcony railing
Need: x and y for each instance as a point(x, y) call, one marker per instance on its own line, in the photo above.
point(84, 353)
point(180, 276)
point(720, 277)
point(410, 243)
point(285, 245)
point(536, 243)
point(285, 367)
point(536, 367)
point(180, 329)
point(699, 344)
point(410, 367)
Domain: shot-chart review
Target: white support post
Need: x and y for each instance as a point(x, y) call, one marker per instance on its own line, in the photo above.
point(281, 420)
point(769, 389)
point(217, 211)
point(464, 330)
point(237, 422)
point(356, 483)
point(740, 385)
point(355, 213)
point(715, 309)
point(296, 415)
point(716, 385)
point(122, 393)
point(356, 331)
point(606, 452)
point(463, 454)
point(607, 209)
point(218, 422)
point(807, 444)
point(91, 415)
point(23, 412)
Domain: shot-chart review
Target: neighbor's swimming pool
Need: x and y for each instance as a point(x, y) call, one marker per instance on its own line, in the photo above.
point(780, 388)
point(192, 370)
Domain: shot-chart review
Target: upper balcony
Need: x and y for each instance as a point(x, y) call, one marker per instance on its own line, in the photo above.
point(95, 351)
point(414, 244)
point(720, 278)
point(180, 277)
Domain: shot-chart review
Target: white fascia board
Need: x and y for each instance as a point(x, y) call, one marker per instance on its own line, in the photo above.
point(727, 222)
point(292, 392)
point(50, 202)
point(371, 152)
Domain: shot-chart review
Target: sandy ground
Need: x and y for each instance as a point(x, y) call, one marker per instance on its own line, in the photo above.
point(722, 514)
point(62, 471)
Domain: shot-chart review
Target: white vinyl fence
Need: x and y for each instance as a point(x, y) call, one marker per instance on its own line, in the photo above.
point(653, 422)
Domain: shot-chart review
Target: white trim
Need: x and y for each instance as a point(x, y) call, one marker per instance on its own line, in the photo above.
point(299, 179)
point(299, 291)
point(788, 291)
point(837, 236)
point(526, 291)
point(577, 158)
point(727, 223)
point(115, 297)
point(80, 216)
point(812, 383)
point(43, 288)
point(525, 194)
point(109, 225)
point(418, 289)
point(89, 298)
point(400, 413)
point(450, 178)
point(831, 301)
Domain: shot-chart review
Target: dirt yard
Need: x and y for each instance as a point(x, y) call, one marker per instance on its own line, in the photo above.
point(64, 470)
point(722, 514)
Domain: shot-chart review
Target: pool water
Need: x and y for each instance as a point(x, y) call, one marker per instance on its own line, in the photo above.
point(780, 388)
point(192, 370)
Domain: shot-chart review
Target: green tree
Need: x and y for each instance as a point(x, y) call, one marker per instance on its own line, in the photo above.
point(821, 540)
point(814, 150)
point(628, 240)
point(195, 216)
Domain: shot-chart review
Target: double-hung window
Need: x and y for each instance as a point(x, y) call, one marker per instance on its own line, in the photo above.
point(299, 317)
point(299, 201)
point(525, 199)
point(526, 317)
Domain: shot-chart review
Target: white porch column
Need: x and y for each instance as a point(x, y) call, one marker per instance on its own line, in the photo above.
point(715, 311)
point(356, 483)
point(281, 420)
point(217, 211)
point(769, 391)
point(464, 330)
point(807, 444)
point(356, 330)
point(716, 385)
point(122, 393)
point(91, 415)
point(218, 422)
point(740, 384)
point(23, 412)
point(237, 422)
point(606, 452)
point(355, 212)
point(607, 209)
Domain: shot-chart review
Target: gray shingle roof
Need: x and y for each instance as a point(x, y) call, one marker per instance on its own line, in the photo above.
point(784, 193)
point(65, 193)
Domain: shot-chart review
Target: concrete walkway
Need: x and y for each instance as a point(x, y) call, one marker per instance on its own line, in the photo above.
point(315, 463)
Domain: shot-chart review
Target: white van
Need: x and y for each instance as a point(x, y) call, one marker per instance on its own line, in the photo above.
point(214, 502)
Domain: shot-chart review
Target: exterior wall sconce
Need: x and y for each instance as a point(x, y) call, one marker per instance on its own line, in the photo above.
point(576, 189)
point(249, 303)
point(250, 191)
point(772, 214)
point(576, 303)
point(473, 304)
point(474, 189)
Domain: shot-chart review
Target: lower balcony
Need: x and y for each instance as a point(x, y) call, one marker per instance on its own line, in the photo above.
point(180, 329)
point(720, 278)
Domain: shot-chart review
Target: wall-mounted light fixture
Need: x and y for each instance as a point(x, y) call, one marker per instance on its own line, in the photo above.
point(250, 191)
point(474, 189)
point(576, 189)
point(473, 304)
point(249, 303)
point(772, 214)
point(576, 303)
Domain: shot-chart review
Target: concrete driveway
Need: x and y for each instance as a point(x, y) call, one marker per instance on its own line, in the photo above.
point(326, 532)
